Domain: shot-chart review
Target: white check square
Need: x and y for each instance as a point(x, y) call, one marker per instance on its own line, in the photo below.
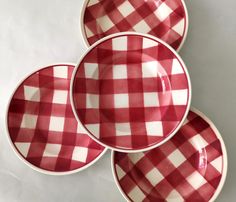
point(91, 70)
point(176, 158)
point(23, 148)
point(120, 172)
point(80, 154)
point(135, 157)
point(196, 180)
point(176, 67)
point(154, 176)
point(136, 194)
point(218, 163)
point(32, 93)
point(126, 8)
point(52, 150)
point(92, 2)
point(120, 72)
point(29, 121)
point(121, 100)
point(180, 97)
point(94, 129)
point(179, 27)
point(151, 100)
point(88, 32)
point(142, 27)
point(81, 129)
point(123, 129)
point(198, 142)
point(150, 69)
point(105, 23)
point(60, 72)
point(120, 43)
point(154, 128)
point(92, 101)
point(163, 11)
point(174, 196)
point(60, 96)
point(56, 124)
point(148, 43)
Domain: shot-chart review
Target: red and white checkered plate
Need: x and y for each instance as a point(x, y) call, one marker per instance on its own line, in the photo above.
point(42, 128)
point(165, 19)
point(131, 92)
point(191, 167)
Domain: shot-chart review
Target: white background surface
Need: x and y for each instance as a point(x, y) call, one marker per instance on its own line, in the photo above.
point(34, 33)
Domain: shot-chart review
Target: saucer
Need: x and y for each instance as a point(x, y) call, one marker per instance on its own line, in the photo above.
point(192, 166)
point(42, 128)
point(131, 92)
point(165, 19)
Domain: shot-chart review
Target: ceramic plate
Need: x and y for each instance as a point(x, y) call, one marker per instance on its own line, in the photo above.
point(165, 19)
point(131, 92)
point(42, 128)
point(190, 167)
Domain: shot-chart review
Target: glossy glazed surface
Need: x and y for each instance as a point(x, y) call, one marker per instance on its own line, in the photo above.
point(167, 20)
point(189, 167)
point(42, 126)
point(131, 92)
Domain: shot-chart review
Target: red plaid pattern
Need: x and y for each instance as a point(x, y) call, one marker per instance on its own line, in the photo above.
point(42, 126)
point(165, 19)
point(131, 92)
point(187, 168)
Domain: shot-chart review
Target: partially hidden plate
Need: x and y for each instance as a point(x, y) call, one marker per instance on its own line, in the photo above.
point(191, 167)
point(42, 128)
point(131, 92)
point(165, 19)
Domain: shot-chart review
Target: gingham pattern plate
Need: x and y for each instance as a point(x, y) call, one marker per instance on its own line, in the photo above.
point(165, 19)
point(131, 92)
point(191, 167)
point(42, 126)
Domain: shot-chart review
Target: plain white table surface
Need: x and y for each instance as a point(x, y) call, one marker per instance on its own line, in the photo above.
point(34, 33)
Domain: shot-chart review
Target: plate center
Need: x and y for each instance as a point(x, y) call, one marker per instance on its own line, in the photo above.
point(133, 91)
